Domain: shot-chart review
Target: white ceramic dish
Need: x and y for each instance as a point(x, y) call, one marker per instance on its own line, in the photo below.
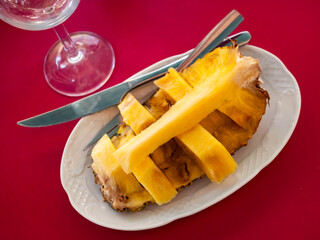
point(273, 133)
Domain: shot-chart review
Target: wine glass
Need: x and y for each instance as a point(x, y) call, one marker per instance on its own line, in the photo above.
point(77, 64)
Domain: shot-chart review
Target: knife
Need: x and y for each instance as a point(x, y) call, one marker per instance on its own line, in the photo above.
point(113, 95)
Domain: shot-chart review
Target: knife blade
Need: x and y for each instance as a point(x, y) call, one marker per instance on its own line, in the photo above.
point(113, 95)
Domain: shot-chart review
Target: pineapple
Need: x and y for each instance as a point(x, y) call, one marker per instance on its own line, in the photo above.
point(190, 109)
point(212, 157)
point(147, 173)
point(216, 103)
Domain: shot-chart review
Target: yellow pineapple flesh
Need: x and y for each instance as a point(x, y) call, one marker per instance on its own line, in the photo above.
point(147, 173)
point(212, 157)
point(173, 86)
point(134, 114)
point(190, 109)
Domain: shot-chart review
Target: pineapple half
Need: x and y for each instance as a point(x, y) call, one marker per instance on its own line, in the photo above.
point(188, 129)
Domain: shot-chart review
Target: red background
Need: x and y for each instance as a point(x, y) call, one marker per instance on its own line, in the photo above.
point(282, 202)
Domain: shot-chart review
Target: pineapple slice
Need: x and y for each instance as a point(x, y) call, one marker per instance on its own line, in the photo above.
point(134, 114)
point(190, 109)
point(213, 158)
point(147, 173)
point(173, 86)
point(121, 190)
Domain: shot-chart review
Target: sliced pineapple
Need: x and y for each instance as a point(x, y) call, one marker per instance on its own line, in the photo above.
point(110, 168)
point(147, 173)
point(190, 109)
point(232, 120)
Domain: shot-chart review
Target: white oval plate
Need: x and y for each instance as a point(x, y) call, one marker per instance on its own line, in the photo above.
point(273, 133)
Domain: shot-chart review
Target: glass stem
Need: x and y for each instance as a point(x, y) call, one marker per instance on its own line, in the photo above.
point(68, 45)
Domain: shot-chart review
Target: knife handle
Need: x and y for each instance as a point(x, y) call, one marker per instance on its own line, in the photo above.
point(241, 38)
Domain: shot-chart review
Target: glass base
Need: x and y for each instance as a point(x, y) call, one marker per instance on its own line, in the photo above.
point(83, 73)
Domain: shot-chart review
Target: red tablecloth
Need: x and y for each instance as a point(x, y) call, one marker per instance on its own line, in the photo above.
point(282, 201)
